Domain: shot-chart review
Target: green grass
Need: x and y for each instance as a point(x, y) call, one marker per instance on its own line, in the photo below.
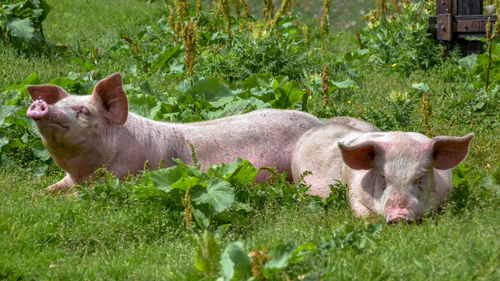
point(90, 24)
point(113, 237)
point(72, 238)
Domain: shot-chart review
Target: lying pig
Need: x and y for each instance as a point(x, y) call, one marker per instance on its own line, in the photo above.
point(84, 133)
point(400, 175)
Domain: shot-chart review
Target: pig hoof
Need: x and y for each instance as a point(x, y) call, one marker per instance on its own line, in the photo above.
point(65, 191)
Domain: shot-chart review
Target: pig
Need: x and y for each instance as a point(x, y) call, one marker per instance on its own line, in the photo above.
point(399, 175)
point(84, 133)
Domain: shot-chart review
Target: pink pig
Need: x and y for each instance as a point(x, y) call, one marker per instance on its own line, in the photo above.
point(84, 133)
point(400, 175)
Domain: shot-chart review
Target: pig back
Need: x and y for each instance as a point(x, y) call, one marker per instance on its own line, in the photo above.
point(354, 123)
point(264, 137)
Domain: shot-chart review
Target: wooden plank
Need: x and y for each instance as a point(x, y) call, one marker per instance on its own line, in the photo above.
point(443, 7)
point(473, 23)
point(469, 7)
point(445, 27)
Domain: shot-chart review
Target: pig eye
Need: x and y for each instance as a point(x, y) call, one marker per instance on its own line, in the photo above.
point(382, 182)
point(81, 111)
point(420, 182)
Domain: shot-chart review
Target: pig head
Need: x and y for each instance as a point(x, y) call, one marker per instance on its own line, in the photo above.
point(78, 130)
point(399, 175)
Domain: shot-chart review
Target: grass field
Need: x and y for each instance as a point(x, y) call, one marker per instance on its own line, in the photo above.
point(108, 233)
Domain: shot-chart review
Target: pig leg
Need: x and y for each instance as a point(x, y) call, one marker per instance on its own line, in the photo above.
point(61, 186)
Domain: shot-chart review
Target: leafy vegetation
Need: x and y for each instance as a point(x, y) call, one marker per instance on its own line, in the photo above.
point(21, 23)
point(184, 62)
point(397, 34)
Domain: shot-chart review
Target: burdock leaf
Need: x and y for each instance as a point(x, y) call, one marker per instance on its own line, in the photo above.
point(219, 195)
point(21, 28)
point(235, 263)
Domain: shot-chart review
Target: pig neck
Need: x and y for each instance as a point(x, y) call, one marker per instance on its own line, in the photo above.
point(142, 140)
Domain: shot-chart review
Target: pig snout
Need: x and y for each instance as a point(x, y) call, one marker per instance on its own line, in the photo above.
point(399, 207)
point(38, 110)
point(396, 214)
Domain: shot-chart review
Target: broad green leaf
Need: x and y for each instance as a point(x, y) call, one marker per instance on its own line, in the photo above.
point(483, 59)
point(31, 79)
point(146, 88)
point(245, 173)
point(40, 151)
point(163, 179)
point(150, 191)
point(68, 84)
point(235, 263)
point(177, 66)
point(21, 28)
point(468, 63)
point(422, 87)
point(163, 58)
point(299, 253)
point(83, 63)
point(264, 80)
point(288, 95)
point(281, 254)
point(185, 182)
point(201, 214)
point(183, 86)
point(3, 141)
point(219, 195)
point(142, 104)
point(11, 97)
point(212, 91)
point(6, 111)
point(224, 170)
point(347, 84)
point(208, 254)
point(237, 107)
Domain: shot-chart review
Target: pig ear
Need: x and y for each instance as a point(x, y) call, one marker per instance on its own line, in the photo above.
point(360, 156)
point(450, 151)
point(110, 94)
point(49, 93)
